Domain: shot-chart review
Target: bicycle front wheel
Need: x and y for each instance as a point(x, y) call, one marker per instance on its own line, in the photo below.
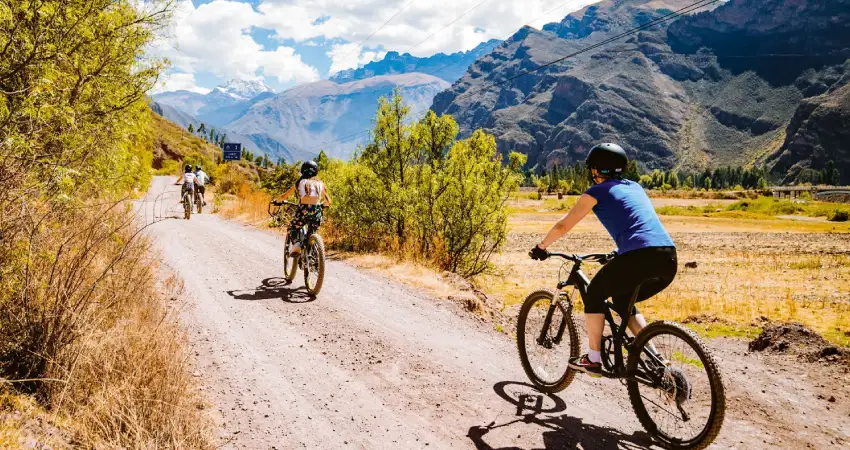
point(314, 264)
point(675, 386)
point(290, 262)
point(546, 339)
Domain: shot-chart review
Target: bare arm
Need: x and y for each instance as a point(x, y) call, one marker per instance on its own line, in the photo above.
point(327, 197)
point(582, 207)
point(288, 193)
point(179, 180)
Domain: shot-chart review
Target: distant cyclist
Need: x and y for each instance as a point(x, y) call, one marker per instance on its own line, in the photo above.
point(312, 197)
point(203, 179)
point(190, 181)
point(646, 253)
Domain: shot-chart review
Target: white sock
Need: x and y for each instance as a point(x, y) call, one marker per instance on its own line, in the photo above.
point(594, 356)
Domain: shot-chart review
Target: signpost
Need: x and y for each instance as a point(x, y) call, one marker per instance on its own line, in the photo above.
point(232, 151)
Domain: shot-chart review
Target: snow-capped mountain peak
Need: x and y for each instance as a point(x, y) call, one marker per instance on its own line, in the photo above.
point(243, 89)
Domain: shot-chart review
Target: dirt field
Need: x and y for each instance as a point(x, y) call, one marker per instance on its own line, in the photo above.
point(780, 269)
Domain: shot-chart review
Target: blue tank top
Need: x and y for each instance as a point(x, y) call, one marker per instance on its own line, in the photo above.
point(626, 212)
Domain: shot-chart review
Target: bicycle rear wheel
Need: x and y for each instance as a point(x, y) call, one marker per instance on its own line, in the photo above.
point(546, 339)
point(200, 203)
point(314, 264)
point(290, 262)
point(684, 403)
point(187, 207)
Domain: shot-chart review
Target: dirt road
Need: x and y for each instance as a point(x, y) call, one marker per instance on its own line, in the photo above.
point(369, 363)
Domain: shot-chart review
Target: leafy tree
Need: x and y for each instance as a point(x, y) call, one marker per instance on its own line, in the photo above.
point(322, 160)
point(830, 174)
point(202, 130)
point(192, 128)
point(632, 171)
point(433, 136)
point(438, 196)
point(707, 183)
point(761, 183)
point(673, 180)
point(390, 155)
point(75, 133)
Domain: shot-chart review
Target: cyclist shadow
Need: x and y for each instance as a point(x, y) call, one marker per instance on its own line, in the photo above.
point(274, 288)
point(559, 431)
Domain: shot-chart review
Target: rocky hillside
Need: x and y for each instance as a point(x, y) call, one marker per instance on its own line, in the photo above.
point(709, 89)
point(296, 123)
point(447, 67)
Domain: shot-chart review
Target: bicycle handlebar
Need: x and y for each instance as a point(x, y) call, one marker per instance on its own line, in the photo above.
point(593, 257)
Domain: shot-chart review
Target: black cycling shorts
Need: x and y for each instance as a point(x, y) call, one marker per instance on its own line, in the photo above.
point(652, 268)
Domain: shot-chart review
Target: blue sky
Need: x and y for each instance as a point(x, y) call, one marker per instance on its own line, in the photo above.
point(288, 42)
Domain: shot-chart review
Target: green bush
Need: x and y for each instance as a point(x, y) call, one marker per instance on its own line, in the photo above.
point(839, 215)
point(415, 188)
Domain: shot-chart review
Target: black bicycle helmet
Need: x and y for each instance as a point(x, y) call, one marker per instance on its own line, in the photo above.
point(198, 167)
point(608, 159)
point(309, 169)
point(187, 168)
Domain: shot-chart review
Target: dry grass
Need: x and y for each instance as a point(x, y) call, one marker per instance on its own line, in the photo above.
point(86, 332)
point(746, 269)
point(249, 205)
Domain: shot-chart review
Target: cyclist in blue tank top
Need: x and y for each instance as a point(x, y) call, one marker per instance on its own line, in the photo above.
point(647, 255)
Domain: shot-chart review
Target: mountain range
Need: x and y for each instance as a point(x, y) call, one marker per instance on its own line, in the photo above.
point(743, 82)
point(748, 82)
point(329, 114)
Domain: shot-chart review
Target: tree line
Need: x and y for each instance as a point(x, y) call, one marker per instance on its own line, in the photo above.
point(575, 179)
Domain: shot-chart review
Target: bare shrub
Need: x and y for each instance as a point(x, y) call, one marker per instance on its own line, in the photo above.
point(86, 332)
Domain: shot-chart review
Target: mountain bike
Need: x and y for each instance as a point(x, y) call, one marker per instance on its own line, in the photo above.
point(187, 204)
point(199, 201)
point(311, 257)
point(674, 384)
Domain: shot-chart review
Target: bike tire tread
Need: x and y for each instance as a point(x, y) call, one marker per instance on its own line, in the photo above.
point(715, 379)
point(320, 248)
point(570, 374)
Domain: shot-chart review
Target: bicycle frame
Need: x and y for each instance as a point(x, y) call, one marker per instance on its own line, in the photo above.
point(581, 282)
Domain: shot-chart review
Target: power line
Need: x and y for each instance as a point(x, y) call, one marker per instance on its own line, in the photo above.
point(527, 23)
point(360, 45)
point(667, 17)
point(447, 25)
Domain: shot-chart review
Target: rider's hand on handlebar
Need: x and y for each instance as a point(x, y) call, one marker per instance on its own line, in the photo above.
point(609, 257)
point(538, 253)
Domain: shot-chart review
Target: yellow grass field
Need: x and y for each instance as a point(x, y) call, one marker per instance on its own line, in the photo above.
point(780, 268)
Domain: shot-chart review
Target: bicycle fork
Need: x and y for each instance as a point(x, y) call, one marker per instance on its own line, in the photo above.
point(544, 339)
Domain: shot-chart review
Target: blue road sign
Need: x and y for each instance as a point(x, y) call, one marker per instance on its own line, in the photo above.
point(232, 151)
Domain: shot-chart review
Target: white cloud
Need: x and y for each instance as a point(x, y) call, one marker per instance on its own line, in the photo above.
point(179, 82)
point(214, 38)
point(349, 56)
point(355, 20)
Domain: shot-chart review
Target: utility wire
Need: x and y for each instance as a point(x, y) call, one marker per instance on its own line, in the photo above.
point(493, 45)
point(447, 25)
point(667, 17)
point(360, 45)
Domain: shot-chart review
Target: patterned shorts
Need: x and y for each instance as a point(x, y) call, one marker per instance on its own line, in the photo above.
point(309, 215)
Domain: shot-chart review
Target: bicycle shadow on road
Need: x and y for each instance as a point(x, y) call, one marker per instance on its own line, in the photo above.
point(274, 288)
point(559, 431)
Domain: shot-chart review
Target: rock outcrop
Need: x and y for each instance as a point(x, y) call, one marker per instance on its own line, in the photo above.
point(708, 89)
